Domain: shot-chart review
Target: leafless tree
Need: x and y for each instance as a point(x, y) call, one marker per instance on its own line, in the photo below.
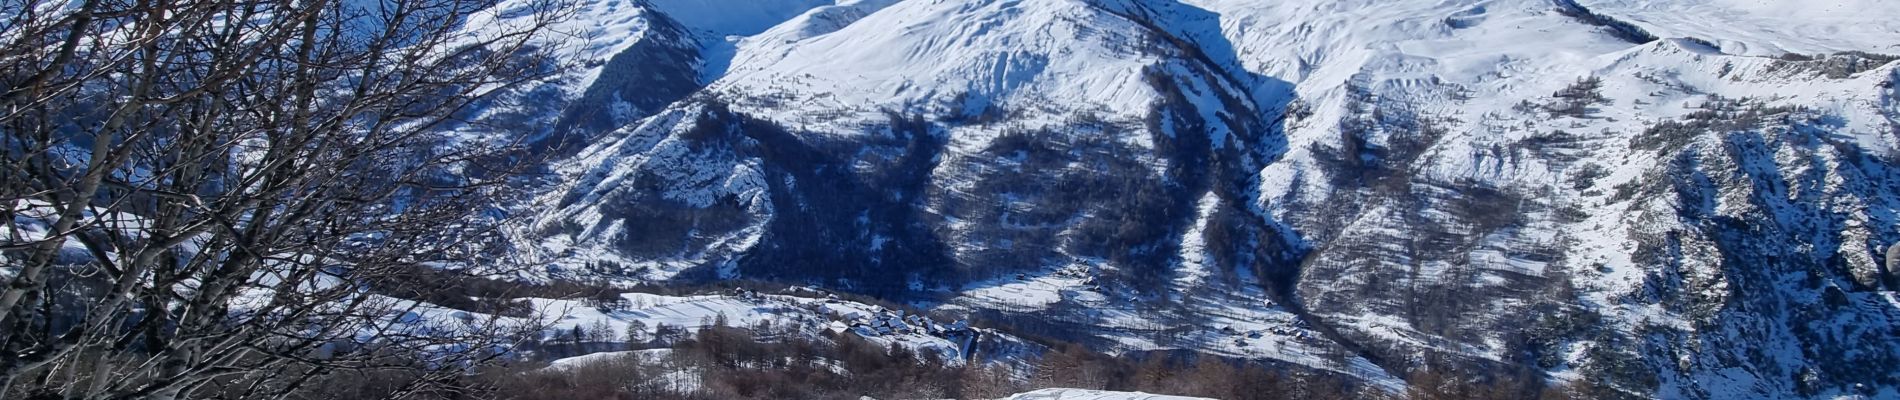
point(204, 198)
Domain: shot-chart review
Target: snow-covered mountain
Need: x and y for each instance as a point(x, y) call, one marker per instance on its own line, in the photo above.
point(1665, 199)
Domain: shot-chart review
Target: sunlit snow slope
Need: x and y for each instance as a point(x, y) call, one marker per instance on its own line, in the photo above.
point(1659, 199)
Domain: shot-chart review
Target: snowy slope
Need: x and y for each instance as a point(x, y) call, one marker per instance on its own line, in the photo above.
point(1645, 196)
point(951, 341)
point(1467, 152)
point(922, 56)
point(928, 60)
point(1767, 28)
point(1434, 105)
point(622, 61)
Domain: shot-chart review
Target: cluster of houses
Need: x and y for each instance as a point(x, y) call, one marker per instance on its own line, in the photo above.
point(875, 321)
point(748, 295)
point(896, 322)
point(1295, 331)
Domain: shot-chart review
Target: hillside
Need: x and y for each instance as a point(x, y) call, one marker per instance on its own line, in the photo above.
point(1674, 200)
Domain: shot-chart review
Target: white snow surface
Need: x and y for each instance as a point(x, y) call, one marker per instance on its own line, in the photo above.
point(592, 358)
point(1767, 27)
point(697, 312)
point(935, 56)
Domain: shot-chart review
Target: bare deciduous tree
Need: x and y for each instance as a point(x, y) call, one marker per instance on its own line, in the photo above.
point(206, 197)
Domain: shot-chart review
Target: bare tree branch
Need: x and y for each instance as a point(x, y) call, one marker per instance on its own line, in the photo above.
point(214, 196)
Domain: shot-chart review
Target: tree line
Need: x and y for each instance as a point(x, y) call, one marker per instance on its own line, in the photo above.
point(727, 362)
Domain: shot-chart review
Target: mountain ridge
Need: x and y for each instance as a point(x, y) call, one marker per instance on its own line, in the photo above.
point(1358, 180)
